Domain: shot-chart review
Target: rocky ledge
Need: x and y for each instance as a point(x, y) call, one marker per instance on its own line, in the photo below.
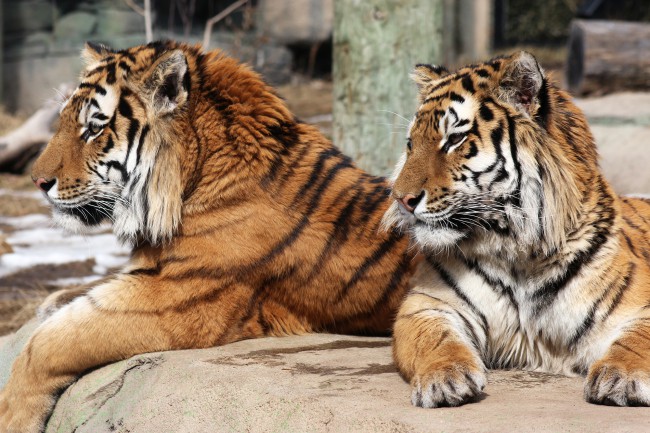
point(315, 383)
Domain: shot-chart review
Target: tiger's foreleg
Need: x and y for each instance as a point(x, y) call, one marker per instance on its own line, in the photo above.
point(622, 376)
point(112, 322)
point(57, 299)
point(434, 351)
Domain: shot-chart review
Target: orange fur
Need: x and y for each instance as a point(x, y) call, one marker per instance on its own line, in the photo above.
point(532, 261)
point(251, 223)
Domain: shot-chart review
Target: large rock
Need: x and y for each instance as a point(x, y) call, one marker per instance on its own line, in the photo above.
point(315, 383)
point(296, 21)
point(111, 22)
point(26, 16)
point(620, 123)
point(75, 25)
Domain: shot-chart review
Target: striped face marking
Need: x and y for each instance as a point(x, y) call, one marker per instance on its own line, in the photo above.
point(461, 161)
point(101, 159)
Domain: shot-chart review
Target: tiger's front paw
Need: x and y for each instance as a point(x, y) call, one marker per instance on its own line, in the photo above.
point(23, 415)
point(448, 385)
point(613, 384)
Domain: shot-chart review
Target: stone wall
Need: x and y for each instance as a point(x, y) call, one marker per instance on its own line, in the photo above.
point(42, 40)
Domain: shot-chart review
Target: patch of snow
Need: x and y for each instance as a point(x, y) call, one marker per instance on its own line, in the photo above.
point(75, 280)
point(35, 242)
point(37, 195)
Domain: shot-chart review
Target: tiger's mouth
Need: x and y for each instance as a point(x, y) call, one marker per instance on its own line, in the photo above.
point(454, 221)
point(91, 213)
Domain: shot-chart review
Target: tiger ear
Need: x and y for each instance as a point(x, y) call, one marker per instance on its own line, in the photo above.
point(93, 53)
point(425, 76)
point(169, 82)
point(521, 82)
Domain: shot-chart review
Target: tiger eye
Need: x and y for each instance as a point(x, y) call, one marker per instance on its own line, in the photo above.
point(455, 138)
point(94, 128)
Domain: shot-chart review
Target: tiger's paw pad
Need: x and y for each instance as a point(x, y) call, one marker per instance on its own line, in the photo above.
point(451, 386)
point(613, 386)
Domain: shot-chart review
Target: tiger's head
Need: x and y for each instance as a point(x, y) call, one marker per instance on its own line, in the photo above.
point(494, 150)
point(110, 158)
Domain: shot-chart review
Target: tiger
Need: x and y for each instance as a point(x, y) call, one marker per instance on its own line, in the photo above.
point(244, 222)
point(531, 259)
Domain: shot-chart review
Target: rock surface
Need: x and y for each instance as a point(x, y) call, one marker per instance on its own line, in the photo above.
point(620, 123)
point(315, 383)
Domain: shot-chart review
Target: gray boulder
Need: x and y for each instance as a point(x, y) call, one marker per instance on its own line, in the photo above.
point(315, 383)
point(296, 21)
point(75, 25)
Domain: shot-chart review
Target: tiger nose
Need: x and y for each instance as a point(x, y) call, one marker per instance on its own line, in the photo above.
point(410, 201)
point(45, 185)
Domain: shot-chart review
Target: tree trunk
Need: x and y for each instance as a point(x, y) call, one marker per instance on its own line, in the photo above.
point(377, 43)
point(604, 56)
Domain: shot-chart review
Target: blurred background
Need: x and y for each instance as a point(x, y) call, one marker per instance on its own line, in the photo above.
point(341, 64)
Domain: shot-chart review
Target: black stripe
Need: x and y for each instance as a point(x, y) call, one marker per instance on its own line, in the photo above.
point(516, 196)
point(485, 113)
point(91, 168)
point(456, 97)
point(134, 127)
point(629, 349)
point(109, 144)
point(447, 278)
point(473, 150)
point(497, 135)
point(588, 322)
point(544, 104)
point(110, 74)
point(124, 108)
point(316, 172)
point(286, 134)
point(384, 248)
point(143, 134)
point(547, 293)
point(499, 286)
point(286, 242)
point(99, 89)
point(339, 235)
point(630, 245)
point(468, 84)
point(482, 73)
point(379, 195)
point(122, 64)
point(452, 111)
point(119, 167)
point(397, 278)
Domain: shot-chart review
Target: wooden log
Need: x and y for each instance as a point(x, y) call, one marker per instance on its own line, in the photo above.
point(604, 56)
point(377, 43)
point(21, 145)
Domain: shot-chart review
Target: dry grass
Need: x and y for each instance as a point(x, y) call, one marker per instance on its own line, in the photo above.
point(14, 313)
point(9, 122)
point(12, 206)
point(308, 99)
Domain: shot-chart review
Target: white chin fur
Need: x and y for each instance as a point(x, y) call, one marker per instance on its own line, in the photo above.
point(68, 222)
point(436, 238)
